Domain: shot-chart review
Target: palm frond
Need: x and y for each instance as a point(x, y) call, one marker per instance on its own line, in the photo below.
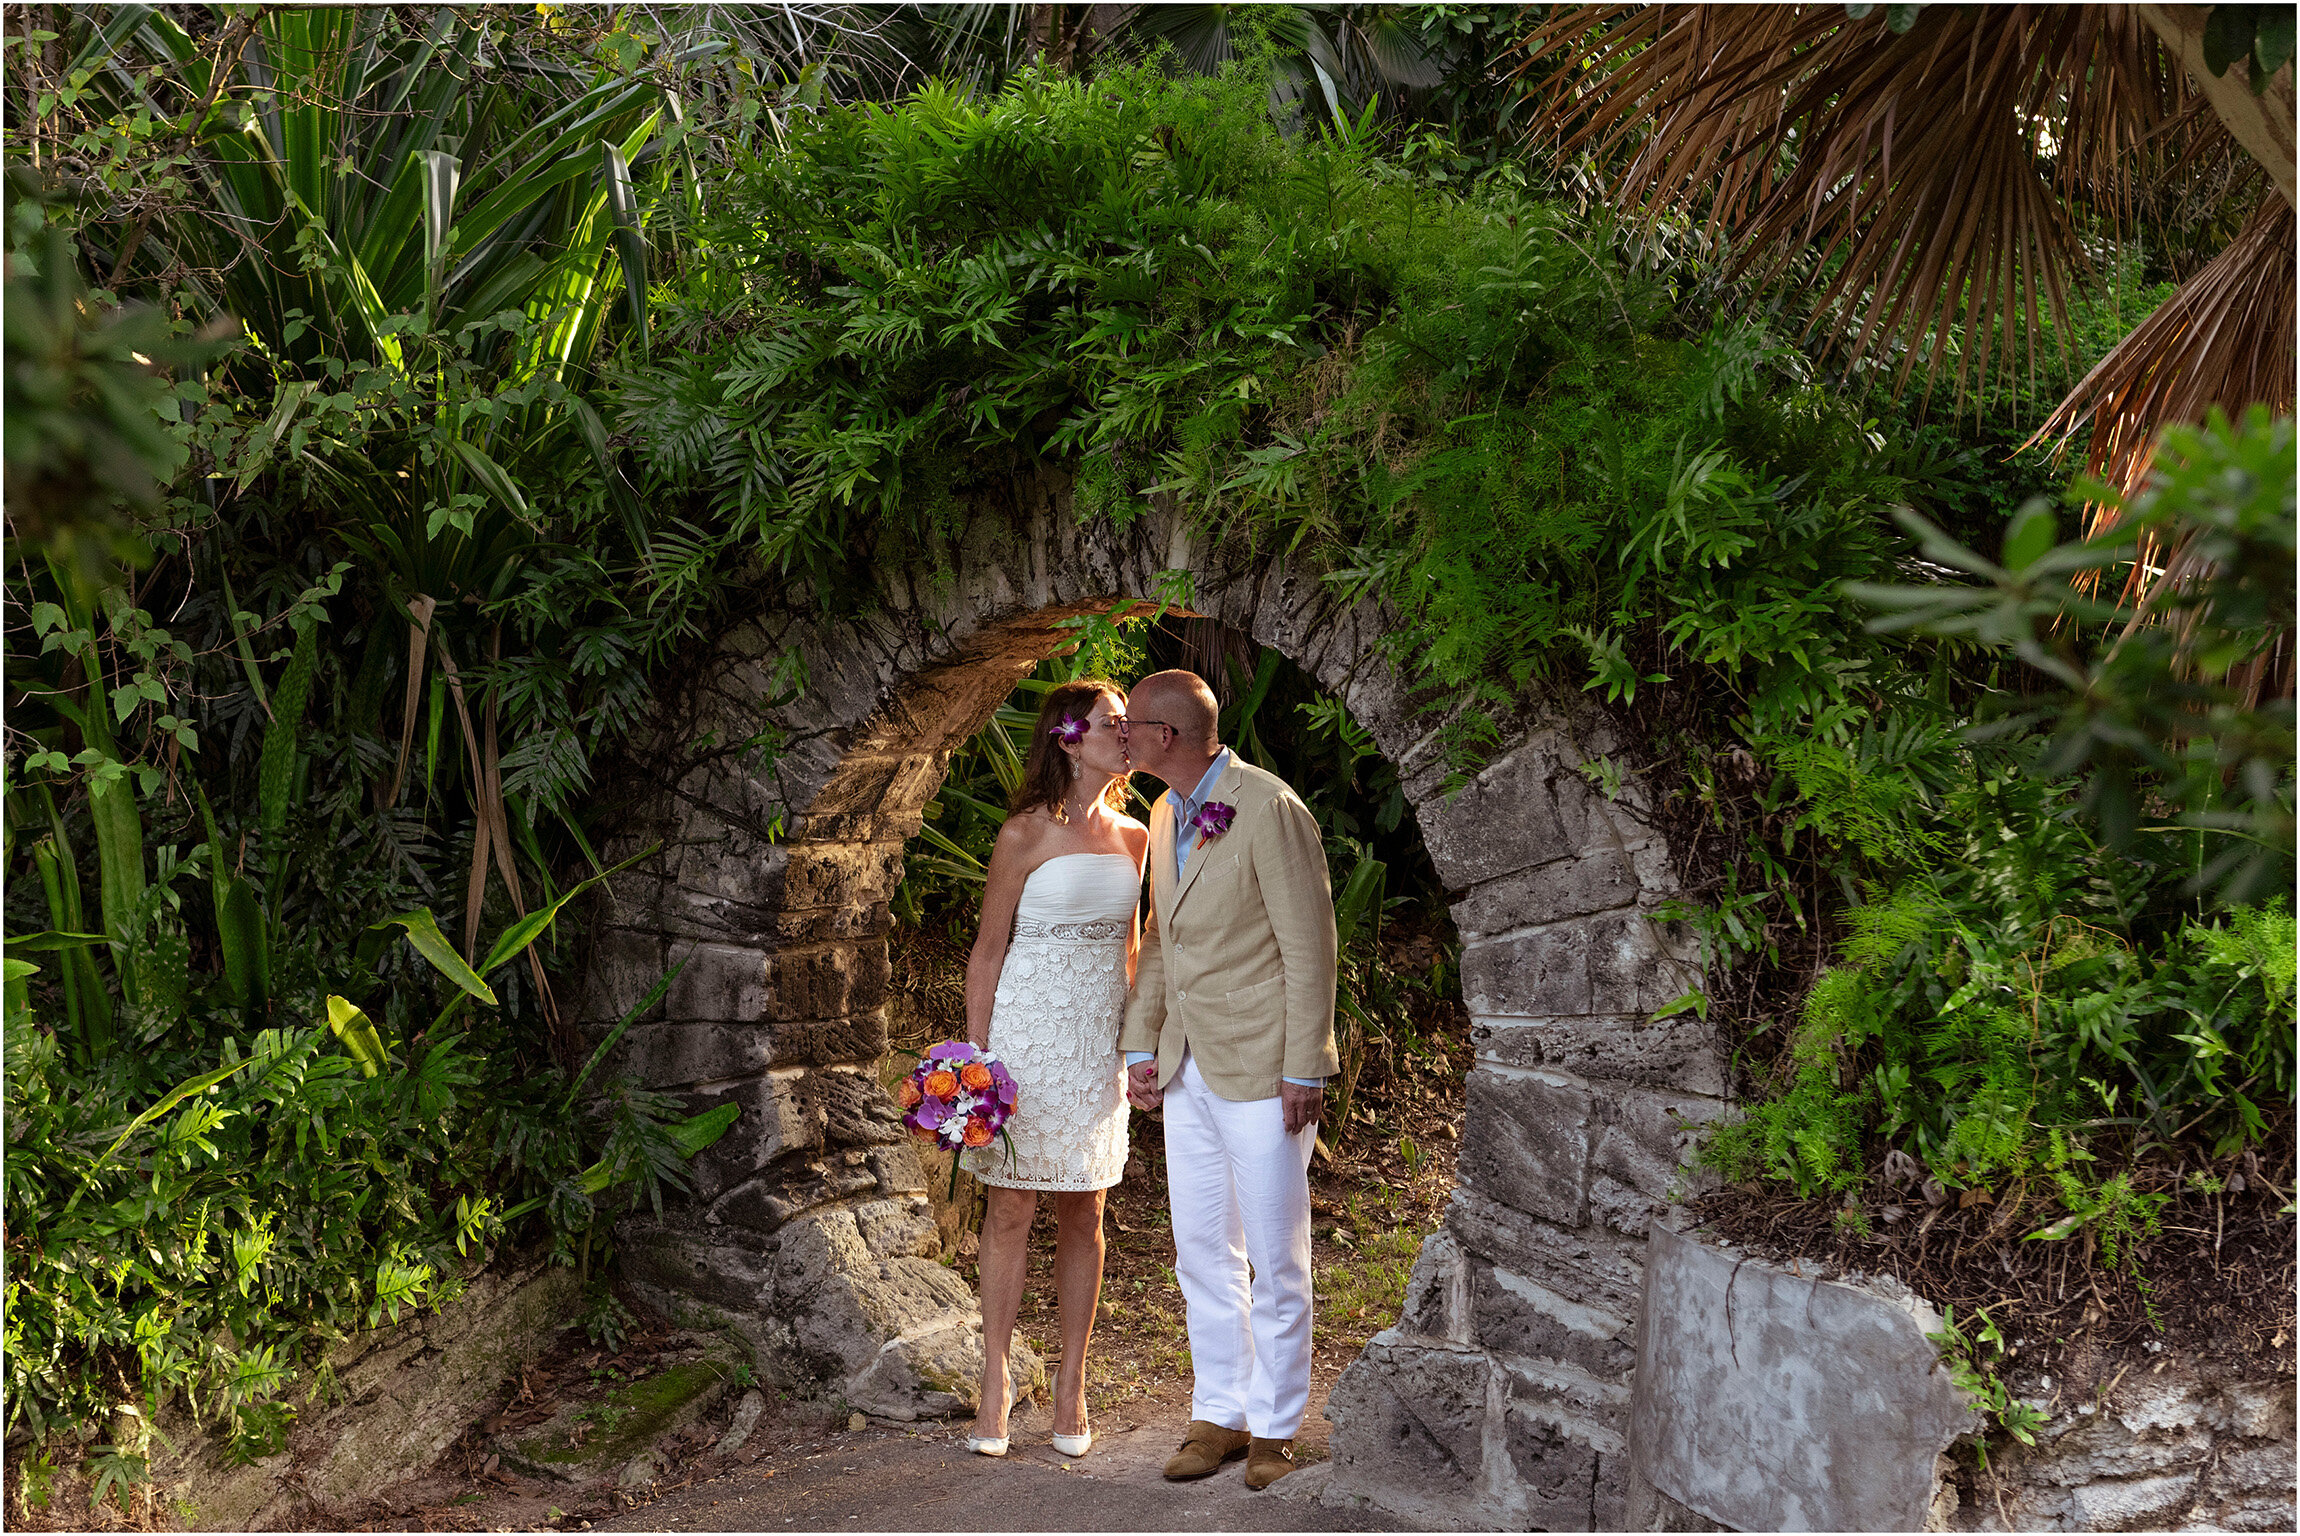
point(2224, 339)
point(1926, 176)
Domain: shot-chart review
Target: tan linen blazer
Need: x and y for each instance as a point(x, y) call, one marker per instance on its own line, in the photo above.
point(1238, 958)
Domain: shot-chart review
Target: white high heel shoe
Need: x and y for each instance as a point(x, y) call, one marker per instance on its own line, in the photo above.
point(1075, 1445)
point(984, 1445)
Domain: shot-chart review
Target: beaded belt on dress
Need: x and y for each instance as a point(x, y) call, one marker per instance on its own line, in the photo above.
point(1099, 931)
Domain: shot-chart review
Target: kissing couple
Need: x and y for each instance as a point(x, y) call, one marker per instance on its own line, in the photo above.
point(1220, 1008)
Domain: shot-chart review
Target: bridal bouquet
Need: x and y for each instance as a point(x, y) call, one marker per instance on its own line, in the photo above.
point(957, 1097)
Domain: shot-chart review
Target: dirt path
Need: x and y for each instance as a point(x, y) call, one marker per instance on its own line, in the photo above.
point(920, 1477)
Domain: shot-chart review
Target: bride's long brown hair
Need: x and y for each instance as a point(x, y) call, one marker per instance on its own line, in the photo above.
point(1046, 770)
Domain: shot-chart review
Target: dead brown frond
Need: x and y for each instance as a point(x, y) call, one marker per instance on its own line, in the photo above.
point(1929, 181)
point(2225, 339)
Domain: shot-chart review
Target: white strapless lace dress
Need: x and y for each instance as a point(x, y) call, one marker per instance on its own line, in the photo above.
point(1061, 998)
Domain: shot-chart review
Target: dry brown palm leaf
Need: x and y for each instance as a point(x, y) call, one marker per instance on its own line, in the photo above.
point(2224, 339)
point(1927, 177)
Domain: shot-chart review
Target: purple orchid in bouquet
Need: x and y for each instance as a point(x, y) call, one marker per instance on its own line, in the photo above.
point(958, 1097)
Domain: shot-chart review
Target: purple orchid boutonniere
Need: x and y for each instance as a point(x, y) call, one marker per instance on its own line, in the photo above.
point(1070, 732)
point(1213, 818)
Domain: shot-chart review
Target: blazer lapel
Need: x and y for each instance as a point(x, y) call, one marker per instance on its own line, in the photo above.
point(1224, 788)
point(1162, 872)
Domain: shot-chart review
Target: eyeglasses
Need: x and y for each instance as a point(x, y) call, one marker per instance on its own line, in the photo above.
point(1124, 724)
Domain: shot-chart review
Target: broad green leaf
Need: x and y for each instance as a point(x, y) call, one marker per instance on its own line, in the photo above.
point(51, 939)
point(423, 932)
point(358, 1034)
point(2030, 533)
point(275, 772)
point(490, 474)
point(630, 240)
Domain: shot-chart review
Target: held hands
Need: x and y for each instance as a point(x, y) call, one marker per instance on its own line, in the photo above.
point(1142, 1090)
point(1303, 1106)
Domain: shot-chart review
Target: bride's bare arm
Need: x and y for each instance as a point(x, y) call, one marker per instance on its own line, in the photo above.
point(1011, 859)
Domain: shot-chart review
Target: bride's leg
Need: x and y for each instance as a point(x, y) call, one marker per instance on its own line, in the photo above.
point(1005, 1261)
point(1078, 1287)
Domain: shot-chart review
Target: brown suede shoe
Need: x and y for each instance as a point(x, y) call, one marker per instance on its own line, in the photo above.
point(1267, 1461)
point(1204, 1448)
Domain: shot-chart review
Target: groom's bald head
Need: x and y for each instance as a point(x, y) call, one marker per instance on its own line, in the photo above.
point(1183, 701)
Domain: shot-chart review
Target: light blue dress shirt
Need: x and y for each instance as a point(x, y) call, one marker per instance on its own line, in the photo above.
point(1185, 843)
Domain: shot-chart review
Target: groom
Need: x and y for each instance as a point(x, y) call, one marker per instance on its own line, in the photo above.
point(1231, 1027)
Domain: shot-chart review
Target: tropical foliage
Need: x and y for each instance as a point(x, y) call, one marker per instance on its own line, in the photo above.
point(396, 397)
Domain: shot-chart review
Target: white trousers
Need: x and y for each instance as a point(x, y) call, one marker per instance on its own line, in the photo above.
point(1240, 1189)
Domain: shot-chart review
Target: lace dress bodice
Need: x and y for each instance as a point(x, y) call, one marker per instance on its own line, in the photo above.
point(1061, 997)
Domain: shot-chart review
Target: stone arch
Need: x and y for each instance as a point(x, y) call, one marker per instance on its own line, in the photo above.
point(1502, 1394)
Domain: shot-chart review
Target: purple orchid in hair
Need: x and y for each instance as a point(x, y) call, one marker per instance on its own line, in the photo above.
point(1070, 732)
point(1213, 818)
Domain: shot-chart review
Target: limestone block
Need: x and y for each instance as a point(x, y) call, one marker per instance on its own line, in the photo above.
point(1528, 1142)
point(833, 981)
point(722, 862)
point(2171, 1446)
point(1547, 1476)
point(2135, 1503)
point(860, 1037)
point(1502, 821)
point(622, 968)
point(588, 1443)
point(1512, 1314)
point(677, 1256)
point(1588, 1267)
point(1770, 1401)
point(766, 1201)
point(688, 1055)
point(1609, 963)
point(1590, 1408)
point(717, 983)
point(1410, 1429)
point(1437, 1303)
point(2259, 1409)
point(2250, 1487)
point(800, 876)
point(1679, 1052)
point(1642, 1153)
point(1572, 886)
point(872, 796)
point(778, 1116)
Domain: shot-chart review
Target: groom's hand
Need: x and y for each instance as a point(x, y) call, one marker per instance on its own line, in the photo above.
point(1303, 1106)
point(1142, 1089)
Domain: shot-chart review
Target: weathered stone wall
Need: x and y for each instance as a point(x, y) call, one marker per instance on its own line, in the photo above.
point(1502, 1397)
point(2170, 1446)
point(403, 1394)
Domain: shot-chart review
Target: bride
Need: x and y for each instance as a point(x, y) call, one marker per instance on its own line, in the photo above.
point(1045, 992)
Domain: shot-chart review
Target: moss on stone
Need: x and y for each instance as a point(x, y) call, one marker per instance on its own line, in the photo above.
point(629, 1419)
